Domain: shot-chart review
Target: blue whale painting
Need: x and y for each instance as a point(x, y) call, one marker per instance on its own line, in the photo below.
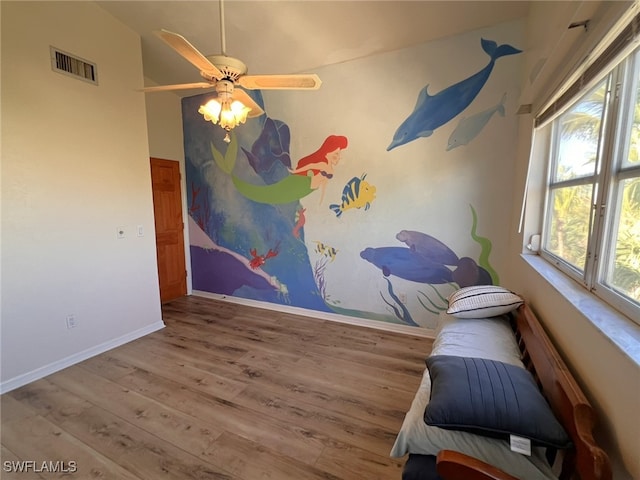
point(433, 111)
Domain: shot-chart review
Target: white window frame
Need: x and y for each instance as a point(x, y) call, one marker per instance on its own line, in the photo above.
point(612, 148)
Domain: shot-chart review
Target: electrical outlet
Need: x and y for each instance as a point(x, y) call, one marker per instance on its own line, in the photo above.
point(71, 321)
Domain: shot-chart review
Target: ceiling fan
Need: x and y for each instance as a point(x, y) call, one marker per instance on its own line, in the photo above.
point(224, 73)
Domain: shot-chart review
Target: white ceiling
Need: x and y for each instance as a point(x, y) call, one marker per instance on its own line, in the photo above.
point(296, 36)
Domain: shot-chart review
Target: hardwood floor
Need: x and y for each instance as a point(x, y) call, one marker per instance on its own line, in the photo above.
point(225, 391)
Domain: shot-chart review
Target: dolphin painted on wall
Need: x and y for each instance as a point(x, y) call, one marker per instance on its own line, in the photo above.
point(433, 111)
point(469, 128)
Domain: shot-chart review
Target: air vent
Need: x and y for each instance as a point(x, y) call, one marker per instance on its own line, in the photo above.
point(76, 67)
point(524, 109)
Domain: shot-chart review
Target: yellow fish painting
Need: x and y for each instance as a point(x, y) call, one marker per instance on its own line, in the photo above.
point(357, 193)
point(326, 250)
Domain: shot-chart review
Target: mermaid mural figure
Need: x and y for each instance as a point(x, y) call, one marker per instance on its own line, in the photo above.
point(319, 166)
point(312, 173)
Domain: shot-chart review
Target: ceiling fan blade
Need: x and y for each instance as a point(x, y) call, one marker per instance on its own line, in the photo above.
point(244, 97)
point(281, 82)
point(181, 86)
point(189, 53)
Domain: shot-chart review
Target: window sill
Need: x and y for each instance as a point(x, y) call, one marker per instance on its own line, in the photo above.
point(619, 329)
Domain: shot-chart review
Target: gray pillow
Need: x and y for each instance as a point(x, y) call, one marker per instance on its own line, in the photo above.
point(490, 398)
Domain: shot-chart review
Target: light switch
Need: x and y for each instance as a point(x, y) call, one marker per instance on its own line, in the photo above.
point(120, 232)
point(140, 231)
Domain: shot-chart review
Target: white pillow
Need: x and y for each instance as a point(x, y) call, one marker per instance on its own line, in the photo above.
point(482, 301)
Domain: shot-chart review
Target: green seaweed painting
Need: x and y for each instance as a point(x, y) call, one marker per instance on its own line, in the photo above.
point(485, 249)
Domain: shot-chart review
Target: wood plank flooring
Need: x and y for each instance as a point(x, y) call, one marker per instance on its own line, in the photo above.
point(225, 391)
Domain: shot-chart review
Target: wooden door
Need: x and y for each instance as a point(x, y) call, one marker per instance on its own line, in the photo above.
point(167, 207)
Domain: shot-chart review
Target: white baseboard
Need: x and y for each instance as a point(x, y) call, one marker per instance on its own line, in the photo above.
point(58, 365)
point(334, 317)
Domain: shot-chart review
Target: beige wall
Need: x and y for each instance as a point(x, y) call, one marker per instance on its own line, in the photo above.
point(610, 378)
point(75, 167)
point(164, 124)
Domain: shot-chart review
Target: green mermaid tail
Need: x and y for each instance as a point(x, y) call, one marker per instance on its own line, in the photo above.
point(227, 161)
point(289, 189)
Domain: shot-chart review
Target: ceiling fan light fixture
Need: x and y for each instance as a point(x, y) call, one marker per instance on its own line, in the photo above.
point(236, 113)
point(211, 111)
point(228, 114)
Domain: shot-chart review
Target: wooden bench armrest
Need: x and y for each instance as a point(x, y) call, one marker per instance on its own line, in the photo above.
point(455, 466)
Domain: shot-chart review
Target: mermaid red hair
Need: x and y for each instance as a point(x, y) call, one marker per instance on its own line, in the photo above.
point(331, 143)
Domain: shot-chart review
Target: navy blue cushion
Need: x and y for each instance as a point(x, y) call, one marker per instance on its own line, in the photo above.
point(490, 398)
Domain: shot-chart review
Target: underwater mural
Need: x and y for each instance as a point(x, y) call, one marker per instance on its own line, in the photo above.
point(303, 217)
point(246, 222)
point(241, 247)
point(433, 111)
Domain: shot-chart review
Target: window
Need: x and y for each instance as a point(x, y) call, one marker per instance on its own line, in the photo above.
point(591, 225)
